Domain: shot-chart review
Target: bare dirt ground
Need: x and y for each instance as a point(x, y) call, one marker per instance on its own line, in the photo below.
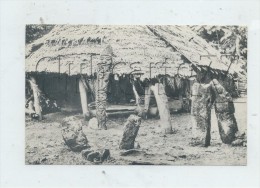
point(44, 143)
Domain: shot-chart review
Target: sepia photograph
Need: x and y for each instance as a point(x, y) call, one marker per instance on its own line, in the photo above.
point(136, 94)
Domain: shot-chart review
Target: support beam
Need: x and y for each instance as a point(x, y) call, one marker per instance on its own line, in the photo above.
point(84, 98)
point(36, 97)
point(162, 104)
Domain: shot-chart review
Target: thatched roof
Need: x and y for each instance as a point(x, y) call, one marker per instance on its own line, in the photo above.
point(71, 46)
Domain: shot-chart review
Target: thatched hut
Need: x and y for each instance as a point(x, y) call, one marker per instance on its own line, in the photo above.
point(66, 62)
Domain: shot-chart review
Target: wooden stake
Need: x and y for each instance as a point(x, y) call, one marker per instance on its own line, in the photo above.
point(36, 96)
point(162, 104)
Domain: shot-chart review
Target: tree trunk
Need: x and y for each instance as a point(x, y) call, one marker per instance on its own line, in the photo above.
point(162, 104)
point(83, 98)
point(201, 114)
point(36, 96)
point(224, 109)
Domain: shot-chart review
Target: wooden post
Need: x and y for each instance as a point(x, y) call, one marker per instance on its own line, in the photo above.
point(101, 98)
point(201, 114)
point(162, 104)
point(36, 96)
point(103, 72)
point(83, 98)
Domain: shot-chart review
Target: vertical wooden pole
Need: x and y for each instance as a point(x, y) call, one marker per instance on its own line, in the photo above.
point(101, 97)
point(36, 96)
point(83, 98)
point(103, 72)
point(162, 104)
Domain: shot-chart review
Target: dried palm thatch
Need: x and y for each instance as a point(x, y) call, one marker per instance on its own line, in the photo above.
point(195, 49)
point(75, 49)
point(228, 39)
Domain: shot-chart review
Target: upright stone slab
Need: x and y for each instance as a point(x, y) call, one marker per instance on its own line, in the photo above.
point(84, 98)
point(163, 106)
point(73, 135)
point(224, 108)
point(147, 99)
point(201, 114)
point(130, 132)
point(36, 96)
